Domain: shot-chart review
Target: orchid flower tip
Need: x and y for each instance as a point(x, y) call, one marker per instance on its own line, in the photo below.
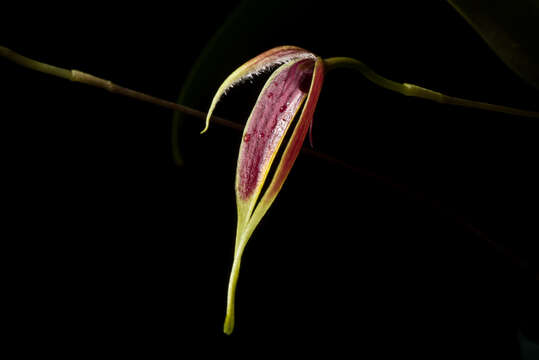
point(228, 327)
point(205, 128)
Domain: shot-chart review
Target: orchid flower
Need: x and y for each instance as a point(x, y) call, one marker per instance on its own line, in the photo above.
point(298, 80)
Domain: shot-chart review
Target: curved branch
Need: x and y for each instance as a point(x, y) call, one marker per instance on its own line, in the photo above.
point(418, 91)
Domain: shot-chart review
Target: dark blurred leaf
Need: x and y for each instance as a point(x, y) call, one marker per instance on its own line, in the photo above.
point(389, 39)
point(510, 28)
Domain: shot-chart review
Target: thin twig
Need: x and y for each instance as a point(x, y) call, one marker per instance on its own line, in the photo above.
point(88, 79)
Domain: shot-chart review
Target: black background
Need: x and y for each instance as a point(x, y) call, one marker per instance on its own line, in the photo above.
point(108, 247)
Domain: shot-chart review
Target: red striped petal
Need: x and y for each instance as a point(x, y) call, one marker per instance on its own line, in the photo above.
point(294, 145)
point(274, 110)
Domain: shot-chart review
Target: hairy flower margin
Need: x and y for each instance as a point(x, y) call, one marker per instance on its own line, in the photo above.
point(299, 79)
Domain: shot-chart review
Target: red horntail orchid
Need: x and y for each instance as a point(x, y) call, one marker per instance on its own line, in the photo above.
point(299, 78)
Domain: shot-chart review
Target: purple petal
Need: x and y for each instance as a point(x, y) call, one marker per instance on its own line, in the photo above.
point(295, 143)
point(275, 108)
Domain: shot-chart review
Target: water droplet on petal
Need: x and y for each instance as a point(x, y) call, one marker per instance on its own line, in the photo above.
point(282, 108)
point(247, 137)
point(270, 95)
point(261, 135)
